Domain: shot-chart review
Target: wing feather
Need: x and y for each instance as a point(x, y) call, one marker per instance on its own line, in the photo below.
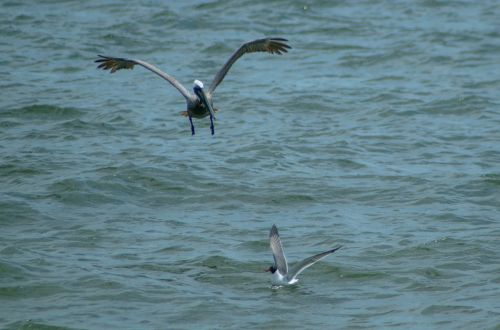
point(308, 262)
point(278, 254)
point(270, 45)
point(117, 63)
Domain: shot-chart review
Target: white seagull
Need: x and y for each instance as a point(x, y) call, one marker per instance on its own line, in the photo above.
point(279, 270)
point(199, 104)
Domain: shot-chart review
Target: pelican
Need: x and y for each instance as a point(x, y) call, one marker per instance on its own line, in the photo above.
point(199, 104)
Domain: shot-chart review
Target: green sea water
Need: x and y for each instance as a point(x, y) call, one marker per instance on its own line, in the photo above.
point(379, 131)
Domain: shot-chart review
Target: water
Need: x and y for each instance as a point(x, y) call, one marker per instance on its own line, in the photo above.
point(379, 131)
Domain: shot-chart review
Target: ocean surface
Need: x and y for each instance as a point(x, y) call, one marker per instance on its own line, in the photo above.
point(379, 131)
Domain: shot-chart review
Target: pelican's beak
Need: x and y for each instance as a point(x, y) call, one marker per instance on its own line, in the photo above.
point(207, 104)
point(200, 92)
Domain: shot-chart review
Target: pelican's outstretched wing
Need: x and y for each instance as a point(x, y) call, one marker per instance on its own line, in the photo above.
point(270, 45)
point(308, 262)
point(116, 63)
point(278, 254)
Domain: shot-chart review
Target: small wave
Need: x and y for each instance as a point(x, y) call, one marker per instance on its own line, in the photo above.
point(42, 111)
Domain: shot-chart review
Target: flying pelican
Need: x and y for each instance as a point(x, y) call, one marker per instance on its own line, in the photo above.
point(200, 104)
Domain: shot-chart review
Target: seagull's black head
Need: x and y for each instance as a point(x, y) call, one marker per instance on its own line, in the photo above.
point(271, 269)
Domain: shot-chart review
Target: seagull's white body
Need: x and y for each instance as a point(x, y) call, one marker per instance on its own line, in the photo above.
point(280, 273)
point(280, 279)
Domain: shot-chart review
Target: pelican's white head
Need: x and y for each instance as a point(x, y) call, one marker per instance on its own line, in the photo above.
point(198, 83)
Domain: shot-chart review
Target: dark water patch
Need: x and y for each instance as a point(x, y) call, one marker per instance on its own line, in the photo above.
point(68, 69)
point(357, 274)
point(429, 273)
point(42, 111)
point(492, 178)
point(127, 256)
point(120, 41)
point(125, 295)
point(149, 185)
point(10, 271)
point(163, 17)
point(480, 85)
point(30, 291)
point(460, 266)
point(420, 251)
point(449, 309)
point(153, 267)
point(254, 245)
point(388, 78)
point(457, 105)
point(85, 126)
point(427, 286)
point(175, 249)
point(96, 282)
point(14, 171)
point(218, 262)
point(219, 48)
point(8, 4)
point(79, 193)
point(9, 124)
point(313, 105)
point(32, 324)
point(371, 60)
point(14, 212)
point(211, 6)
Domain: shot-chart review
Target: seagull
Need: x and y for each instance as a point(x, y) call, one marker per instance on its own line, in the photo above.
point(279, 270)
point(199, 104)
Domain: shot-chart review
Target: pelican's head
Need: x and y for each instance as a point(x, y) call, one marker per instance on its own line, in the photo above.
point(197, 85)
point(202, 96)
point(198, 89)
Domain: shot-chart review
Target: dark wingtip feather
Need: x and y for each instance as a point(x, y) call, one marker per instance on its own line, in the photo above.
point(101, 59)
point(279, 39)
point(281, 46)
point(335, 249)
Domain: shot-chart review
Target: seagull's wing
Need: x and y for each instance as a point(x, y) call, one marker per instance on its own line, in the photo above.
point(116, 63)
point(270, 45)
point(278, 254)
point(301, 266)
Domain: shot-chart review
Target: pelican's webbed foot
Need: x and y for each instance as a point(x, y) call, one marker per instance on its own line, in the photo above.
point(192, 126)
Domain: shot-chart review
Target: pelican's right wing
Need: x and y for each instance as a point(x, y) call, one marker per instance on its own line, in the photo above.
point(116, 63)
point(278, 254)
point(270, 45)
